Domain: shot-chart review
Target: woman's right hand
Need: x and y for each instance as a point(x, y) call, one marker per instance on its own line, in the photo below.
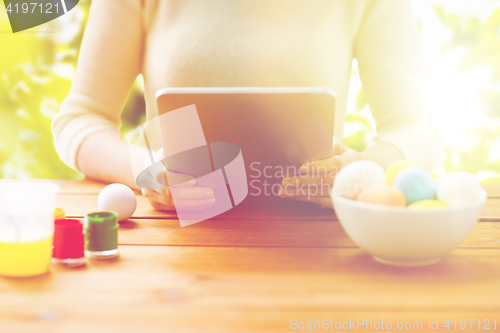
point(188, 196)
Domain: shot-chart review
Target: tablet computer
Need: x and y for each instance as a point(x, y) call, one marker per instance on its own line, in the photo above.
point(277, 130)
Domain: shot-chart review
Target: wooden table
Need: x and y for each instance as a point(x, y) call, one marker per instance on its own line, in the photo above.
point(242, 275)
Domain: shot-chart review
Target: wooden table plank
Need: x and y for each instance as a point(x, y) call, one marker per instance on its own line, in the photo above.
point(87, 186)
point(93, 187)
point(77, 205)
point(209, 277)
point(81, 186)
point(68, 186)
point(240, 233)
point(491, 209)
point(161, 319)
point(147, 281)
point(266, 233)
point(493, 190)
point(248, 274)
point(77, 197)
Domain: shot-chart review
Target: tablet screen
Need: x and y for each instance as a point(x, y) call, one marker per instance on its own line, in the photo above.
point(277, 131)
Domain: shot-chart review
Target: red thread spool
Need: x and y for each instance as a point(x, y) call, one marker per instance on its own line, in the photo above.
point(68, 243)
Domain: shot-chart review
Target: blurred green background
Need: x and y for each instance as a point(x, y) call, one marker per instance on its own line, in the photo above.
point(461, 39)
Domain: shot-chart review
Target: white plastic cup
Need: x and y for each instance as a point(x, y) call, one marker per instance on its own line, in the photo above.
point(26, 227)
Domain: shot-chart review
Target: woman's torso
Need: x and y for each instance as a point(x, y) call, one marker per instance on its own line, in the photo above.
point(196, 43)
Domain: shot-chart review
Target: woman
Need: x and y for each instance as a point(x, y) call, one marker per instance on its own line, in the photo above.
point(196, 43)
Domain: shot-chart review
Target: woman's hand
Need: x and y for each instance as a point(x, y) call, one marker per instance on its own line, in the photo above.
point(190, 197)
point(316, 180)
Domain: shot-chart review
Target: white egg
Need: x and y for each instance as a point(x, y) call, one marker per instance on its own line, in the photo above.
point(356, 177)
point(458, 188)
point(118, 198)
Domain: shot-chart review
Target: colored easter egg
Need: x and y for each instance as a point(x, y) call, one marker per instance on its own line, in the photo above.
point(416, 184)
point(427, 204)
point(459, 188)
point(383, 194)
point(118, 198)
point(394, 169)
point(59, 214)
point(356, 177)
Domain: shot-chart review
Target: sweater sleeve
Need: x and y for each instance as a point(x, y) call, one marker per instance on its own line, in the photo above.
point(108, 65)
point(396, 78)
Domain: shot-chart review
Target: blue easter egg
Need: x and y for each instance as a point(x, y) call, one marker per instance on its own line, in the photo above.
point(416, 184)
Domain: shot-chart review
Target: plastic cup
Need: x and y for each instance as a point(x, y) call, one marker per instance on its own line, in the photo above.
point(26, 227)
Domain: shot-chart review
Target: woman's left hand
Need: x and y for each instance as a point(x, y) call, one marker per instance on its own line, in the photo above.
point(316, 180)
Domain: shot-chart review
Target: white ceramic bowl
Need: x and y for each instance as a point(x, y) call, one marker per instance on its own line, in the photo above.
point(402, 237)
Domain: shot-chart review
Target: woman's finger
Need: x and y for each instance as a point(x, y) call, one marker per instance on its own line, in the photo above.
point(192, 193)
point(182, 193)
point(161, 202)
point(310, 191)
point(171, 178)
point(161, 198)
point(195, 204)
point(328, 166)
point(179, 179)
point(348, 156)
point(167, 177)
point(297, 186)
point(322, 180)
point(338, 147)
point(322, 201)
point(162, 207)
point(332, 164)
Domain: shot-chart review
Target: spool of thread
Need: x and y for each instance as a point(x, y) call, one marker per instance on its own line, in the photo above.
point(68, 243)
point(101, 236)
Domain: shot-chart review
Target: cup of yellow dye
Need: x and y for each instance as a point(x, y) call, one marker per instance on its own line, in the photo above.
point(26, 227)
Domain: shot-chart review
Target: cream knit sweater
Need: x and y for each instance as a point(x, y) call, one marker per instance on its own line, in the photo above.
point(265, 43)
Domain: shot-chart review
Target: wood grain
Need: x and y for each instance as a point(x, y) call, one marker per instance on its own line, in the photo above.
point(79, 205)
point(88, 186)
point(68, 186)
point(493, 190)
point(147, 282)
point(491, 209)
point(249, 273)
point(161, 319)
point(265, 233)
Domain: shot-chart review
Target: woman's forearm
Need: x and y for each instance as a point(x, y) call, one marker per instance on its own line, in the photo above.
point(104, 156)
point(383, 154)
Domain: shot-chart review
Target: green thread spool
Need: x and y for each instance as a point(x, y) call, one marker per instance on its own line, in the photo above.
point(101, 235)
